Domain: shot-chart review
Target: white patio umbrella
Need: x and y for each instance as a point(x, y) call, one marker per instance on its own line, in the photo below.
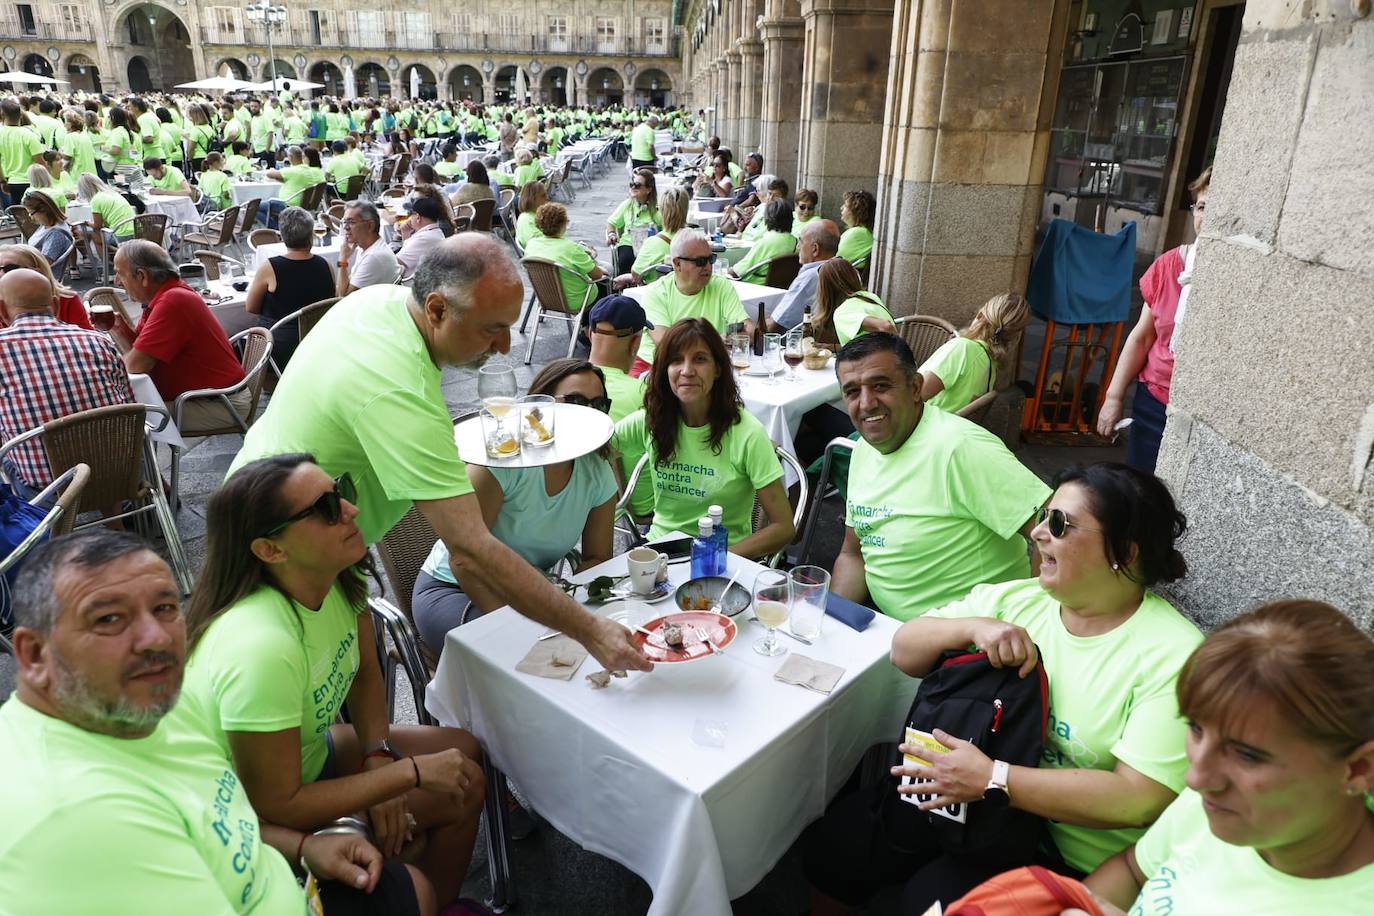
point(414, 82)
point(217, 84)
point(350, 83)
point(519, 86)
point(22, 76)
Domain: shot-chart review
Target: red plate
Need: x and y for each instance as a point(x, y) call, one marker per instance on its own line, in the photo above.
point(719, 630)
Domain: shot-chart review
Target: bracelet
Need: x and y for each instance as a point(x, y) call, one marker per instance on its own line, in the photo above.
point(417, 772)
point(300, 851)
point(378, 753)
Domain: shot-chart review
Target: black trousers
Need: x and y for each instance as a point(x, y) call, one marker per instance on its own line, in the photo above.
point(624, 258)
point(818, 426)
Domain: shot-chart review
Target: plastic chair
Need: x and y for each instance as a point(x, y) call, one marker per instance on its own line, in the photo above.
point(925, 334)
point(57, 522)
point(828, 464)
point(552, 302)
point(113, 442)
point(255, 345)
point(782, 270)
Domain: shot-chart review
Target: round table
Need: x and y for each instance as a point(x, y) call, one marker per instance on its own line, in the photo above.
point(577, 431)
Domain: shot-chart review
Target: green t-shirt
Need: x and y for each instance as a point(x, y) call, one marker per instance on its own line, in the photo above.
point(79, 146)
point(160, 825)
point(171, 143)
point(445, 169)
point(757, 226)
point(260, 132)
point(295, 179)
point(171, 180)
point(218, 187)
point(627, 396)
point(654, 251)
point(501, 178)
point(1190, 872)
point(525, 229)
point(362, 394)
point(66, 183)
point(235, 164)
point(527, 173)
point(849, 317)
point(571, 255)
point(642, 143)
point(736, 173)
point(151, 128)
point(966, 370)
point(798, 224)
point(631, 213)
point(336, 125)
point(268, 664)
point(940, 514)
point(664, 304)
point(1111, 696)
point(114, 210)
point(856, 244)
point(295, 129)
point(18, 146)
point(698, 477)
point(55, 195)
point(341, 168)
point(753, 267)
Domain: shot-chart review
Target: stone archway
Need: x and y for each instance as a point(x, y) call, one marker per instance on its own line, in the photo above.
point(139, 75)
point(605, 87)
point(373, 81)
point(505, 84)
point(555, 86)
point(465, 82)
point(328, 74)
point(284, 70)
point(653, 88)
point(427, 84)
point(83, 74)
point(232, 67)
point(160, 38)
point(36, 64)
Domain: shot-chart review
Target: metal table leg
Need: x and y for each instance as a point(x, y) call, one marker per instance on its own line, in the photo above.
point(498, 839)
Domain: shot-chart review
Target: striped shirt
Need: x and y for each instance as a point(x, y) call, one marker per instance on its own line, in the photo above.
point(48, 370)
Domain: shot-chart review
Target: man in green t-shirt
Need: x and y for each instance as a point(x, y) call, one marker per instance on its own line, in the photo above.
point(19, 149)
point(342, 166)
point(693, 293)
point(296, 179)
point(167, 179)
point(616, 324)
point(936, 504)
point(106, 766)
point(642, 144)
point(362, 395)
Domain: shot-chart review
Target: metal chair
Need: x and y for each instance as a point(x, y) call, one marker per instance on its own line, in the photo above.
point(215, 263)
point(789, 461)
point(250, 216)
point(113, 442)
point(58, 521)
point(259, 237)
point(63, 262)
point(840, 443)
point(925, 334)
point(23, 219)
point(624, 521)
point(558, 181)
point(552, 302)
point(255, 346)
point(482, 212)
point(782, 270)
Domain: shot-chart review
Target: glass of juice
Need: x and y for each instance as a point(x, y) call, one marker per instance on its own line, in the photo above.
point(772, 606)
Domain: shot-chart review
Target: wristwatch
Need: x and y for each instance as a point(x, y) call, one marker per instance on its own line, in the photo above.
point(383, 747)
point(996, 792)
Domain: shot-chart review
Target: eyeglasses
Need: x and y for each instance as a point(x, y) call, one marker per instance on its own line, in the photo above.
point(328, 506)
point(602, 403)
point(636, 185)
point(1059, 523)
point(806, 207)
point(704, 261)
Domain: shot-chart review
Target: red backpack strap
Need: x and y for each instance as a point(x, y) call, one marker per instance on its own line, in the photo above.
point(1053, 885)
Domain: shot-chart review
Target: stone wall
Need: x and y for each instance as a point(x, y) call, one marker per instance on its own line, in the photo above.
point(1270, 439)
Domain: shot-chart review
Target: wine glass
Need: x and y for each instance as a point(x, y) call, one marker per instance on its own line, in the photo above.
point(739, 352)
point(792, 352)
point(772, 607)
point(772, 356)
point(496, 387)
point(321, 230)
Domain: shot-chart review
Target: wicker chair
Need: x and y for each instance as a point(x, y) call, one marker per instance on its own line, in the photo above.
point(215, 263)
point(108, 295)
point(482, 212)
point(250, 215)
point(23, 219)
point(255, 346)
point(113, 442)
point(312, 198)
point(259, 237)
point(558, 181)
point(151, 227)
point(552, 302)
point(977, 409)
point(758, 516)
point(782, 270)
point(925, 334)
point(403, 551)
point(217, 232)
point(353, 188)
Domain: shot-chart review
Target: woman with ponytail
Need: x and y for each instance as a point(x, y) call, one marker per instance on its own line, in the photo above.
point(965, 367)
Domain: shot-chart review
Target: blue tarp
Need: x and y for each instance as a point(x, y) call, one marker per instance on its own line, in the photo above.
point(1082, 277)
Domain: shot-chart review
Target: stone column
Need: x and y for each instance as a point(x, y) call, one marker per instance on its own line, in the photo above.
point(971, 94)
point(780, 113)
point(730, 132)
point(1269, 446)
point(750, 94)
point(844, 83)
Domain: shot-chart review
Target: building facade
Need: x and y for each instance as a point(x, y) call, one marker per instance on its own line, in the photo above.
point(623, 51)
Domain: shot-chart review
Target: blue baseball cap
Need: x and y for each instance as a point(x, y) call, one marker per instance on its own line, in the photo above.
point(622, 312)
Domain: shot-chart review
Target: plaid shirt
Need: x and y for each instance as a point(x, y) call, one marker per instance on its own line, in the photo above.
point(48, 370)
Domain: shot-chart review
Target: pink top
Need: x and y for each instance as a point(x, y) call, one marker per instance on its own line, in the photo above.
point(1161, 290)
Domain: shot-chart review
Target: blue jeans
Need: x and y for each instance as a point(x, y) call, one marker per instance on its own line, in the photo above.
point(1147, 428)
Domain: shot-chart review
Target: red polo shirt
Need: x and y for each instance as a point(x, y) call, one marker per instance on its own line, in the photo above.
point(192, 351)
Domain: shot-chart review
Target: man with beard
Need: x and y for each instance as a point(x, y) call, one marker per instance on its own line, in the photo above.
point(362, 395)
point(116, 798)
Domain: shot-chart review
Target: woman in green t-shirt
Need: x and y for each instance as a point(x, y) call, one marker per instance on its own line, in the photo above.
point(776, 240)
point(112, 217)
point(122, 145)
point(1278, 816)
point(532, 196)
point(215, 184)
point(857, 213)
point(672, 207)
point(1113, 757)
point(964, 368)
point(639, 209)
point(280, 637)
point(808, 203)
point(844, 309)
point(584, 281)
point(706, 449)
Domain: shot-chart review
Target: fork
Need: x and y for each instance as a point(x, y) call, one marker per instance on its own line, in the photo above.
point(701, 635)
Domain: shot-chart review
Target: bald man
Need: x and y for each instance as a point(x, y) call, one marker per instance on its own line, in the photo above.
point(819, 242)
point(362, 395)
point(48, 369)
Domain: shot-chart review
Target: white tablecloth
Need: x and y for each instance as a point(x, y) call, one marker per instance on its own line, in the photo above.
point(245, 191)
point(780, 406)
point(264, 253)
point(469, 155)
point(179, 208)
point(617, 769)
point(229, 310)
point(145, 392)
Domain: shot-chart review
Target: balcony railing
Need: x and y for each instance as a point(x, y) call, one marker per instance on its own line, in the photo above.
point(476, 42)
point(51, 31)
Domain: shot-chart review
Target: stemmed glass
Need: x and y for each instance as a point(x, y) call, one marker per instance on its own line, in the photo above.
point(792, 352)
point(772, 356)
point(496, 387)
point(772, 607)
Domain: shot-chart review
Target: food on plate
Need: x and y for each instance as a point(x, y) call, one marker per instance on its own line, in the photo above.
point(672, 635)
point(699, 603)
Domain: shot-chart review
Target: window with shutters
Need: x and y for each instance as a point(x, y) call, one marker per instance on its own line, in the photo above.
point(508, 24)
point(655, 36)
point(418, 31)
point(605, 33)
point(370, 31)
point(73, 22)
point(558, 33)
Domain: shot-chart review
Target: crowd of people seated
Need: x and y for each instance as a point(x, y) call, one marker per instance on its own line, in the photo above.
point(200, 757)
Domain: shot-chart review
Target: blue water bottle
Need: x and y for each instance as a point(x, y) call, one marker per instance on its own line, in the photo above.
point(722, 538)
point(704, 550)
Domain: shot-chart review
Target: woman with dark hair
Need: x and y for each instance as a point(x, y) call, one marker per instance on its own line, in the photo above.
point(1277, 816)
point(844, 309)
point(777, 239)
point(807, 209)
point(1112, 650)
point(477, 187)
point(280, 638)
point(532, 196)
point(857, 212)
point(540, 513)
point(121, 141)
point(705, 448)
point(639, 209)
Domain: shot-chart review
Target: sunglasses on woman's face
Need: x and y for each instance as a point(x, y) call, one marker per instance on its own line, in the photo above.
point(636, 185)
point(602, 403)
point(703, 261)
point(807, 207)
point(1059, 523)
point(328, 506)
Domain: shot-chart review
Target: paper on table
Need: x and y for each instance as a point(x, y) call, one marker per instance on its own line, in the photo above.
point(557, 658)
point(809, 673)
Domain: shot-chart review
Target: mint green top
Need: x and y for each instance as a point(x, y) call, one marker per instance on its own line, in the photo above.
point(856, 244)
point(965, 368)
point(753, 267)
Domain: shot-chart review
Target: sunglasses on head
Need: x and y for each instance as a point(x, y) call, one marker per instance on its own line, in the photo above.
point(1059, 523)
point(328, 506)
point(703, 261)
point(602, 403)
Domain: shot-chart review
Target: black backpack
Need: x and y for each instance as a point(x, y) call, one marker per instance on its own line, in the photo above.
point(1005, 716)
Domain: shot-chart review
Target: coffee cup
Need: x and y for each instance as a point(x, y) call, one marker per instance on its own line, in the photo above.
point(647, 566)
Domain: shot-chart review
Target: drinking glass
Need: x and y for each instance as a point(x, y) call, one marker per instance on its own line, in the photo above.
point(772, 356)
point(739, 352)
point(496, 388)
point(536, 420)
point(501, 442)
point(792, 352)
point(809, 586)
point(772, 607)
